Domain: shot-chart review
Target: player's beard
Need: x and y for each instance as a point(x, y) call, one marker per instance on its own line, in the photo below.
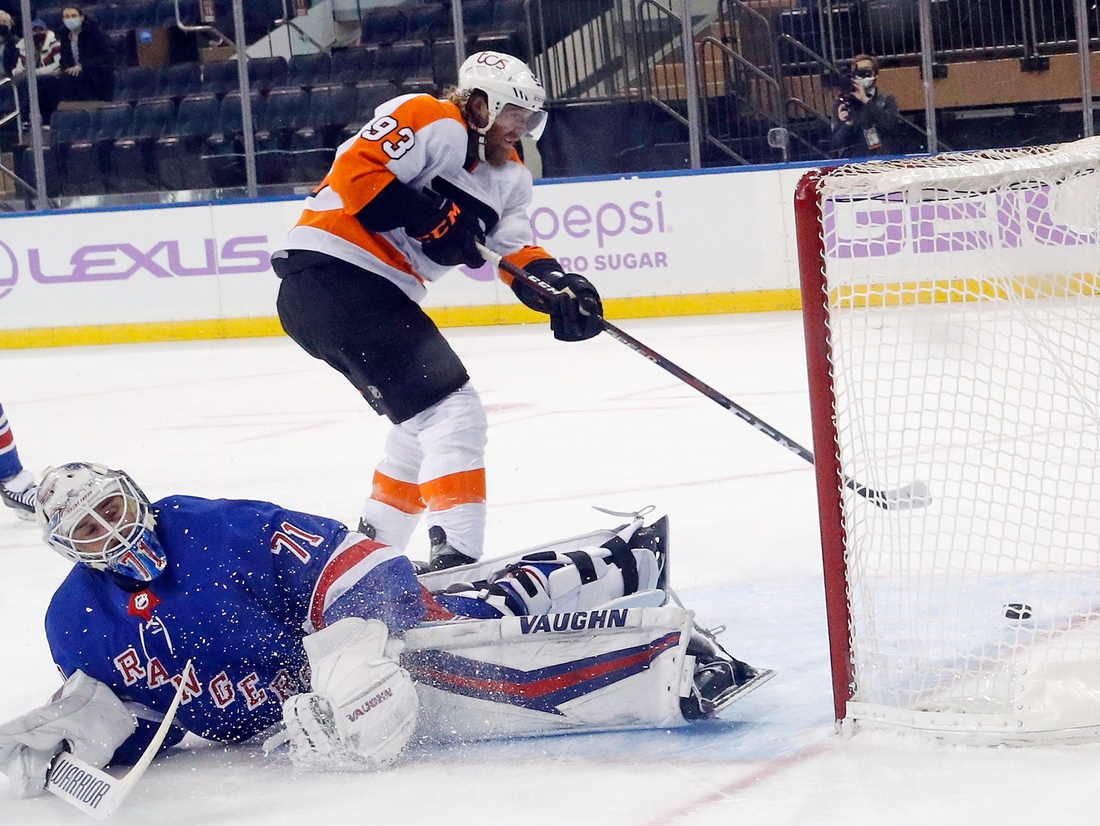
point(497, 152)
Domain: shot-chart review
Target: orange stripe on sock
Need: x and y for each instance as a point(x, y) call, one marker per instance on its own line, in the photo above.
point(465, 488)
point(404, 496)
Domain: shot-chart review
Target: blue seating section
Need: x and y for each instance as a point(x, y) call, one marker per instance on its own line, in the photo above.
point(179, 126)
point(196, 141)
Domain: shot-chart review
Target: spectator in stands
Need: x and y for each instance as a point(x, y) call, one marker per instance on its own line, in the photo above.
point(47, 52)
point(864, 117)
point(87, 60)
point(9, 54)
point(47, 64)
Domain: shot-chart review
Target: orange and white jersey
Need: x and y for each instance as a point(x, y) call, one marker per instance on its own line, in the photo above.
point(422, 142)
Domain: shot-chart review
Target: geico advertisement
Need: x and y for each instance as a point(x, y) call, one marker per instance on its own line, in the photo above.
point(631, 237)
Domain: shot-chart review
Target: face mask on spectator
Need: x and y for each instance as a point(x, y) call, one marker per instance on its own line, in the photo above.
point(73, 23)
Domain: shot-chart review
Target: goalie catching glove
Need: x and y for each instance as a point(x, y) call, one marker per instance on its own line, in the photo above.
point(84, 717)
point(575, 309)
point(362, 710)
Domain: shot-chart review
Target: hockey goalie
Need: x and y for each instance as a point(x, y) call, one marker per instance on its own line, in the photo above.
point(270, 622)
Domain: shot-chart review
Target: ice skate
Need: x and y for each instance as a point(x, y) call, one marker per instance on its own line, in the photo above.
point(18, 494)
point(719, 678)
point(442, 555)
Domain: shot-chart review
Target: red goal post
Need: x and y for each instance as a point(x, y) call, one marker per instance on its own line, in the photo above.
point(951, 308)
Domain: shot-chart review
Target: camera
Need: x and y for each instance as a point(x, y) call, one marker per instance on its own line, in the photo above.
point(847, 85)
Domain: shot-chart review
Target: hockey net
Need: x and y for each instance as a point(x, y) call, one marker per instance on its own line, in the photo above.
point(952, 314)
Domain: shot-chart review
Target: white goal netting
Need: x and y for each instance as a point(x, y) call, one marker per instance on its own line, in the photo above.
point(964, 324)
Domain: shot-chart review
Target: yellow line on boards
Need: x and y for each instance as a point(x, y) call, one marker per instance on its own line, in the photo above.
point(949, 291)
point(615, 308)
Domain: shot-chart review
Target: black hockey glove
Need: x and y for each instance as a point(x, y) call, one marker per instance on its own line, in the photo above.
point(567, 318)
point(447, 234)
point(576, 312)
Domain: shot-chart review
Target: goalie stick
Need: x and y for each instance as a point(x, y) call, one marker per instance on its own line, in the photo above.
point(914, 495)
point(92, 790)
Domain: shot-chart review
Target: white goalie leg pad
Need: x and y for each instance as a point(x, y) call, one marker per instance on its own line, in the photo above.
point(371, 699)
point(573, 581)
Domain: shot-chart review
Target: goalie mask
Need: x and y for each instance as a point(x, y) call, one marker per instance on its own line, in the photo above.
point(504, 80)
point(100, 518)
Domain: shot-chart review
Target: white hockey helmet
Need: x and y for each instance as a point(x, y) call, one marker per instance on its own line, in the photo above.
point(100, 518)
point(505, 79)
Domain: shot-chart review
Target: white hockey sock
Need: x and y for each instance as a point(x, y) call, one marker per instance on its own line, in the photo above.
point(392, 527)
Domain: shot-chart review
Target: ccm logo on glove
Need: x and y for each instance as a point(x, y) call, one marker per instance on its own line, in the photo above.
point(444, 226)
point(447, 234)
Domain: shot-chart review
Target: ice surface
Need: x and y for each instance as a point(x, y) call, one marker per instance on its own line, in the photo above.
point(571, 426)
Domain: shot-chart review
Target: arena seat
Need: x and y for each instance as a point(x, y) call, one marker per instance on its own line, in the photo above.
point(429, 22)
point(220, 77)
point(285, 112)
point(509, 15)
point(266, 73)
point(89, 159)
point(51, 17)
point(67, 126)
point(124, 45)
point(223, 150)
point(384, 24)
point(165, 14)
point(309, 70)
point(368, 96)
point(513, 43)
point(178, 152)
point(132, 166)
point(178, 80)
point(135, 14)
point(352, 65)
point(103, 14)
point(134, 83)
point(402, 62)
point(477, 16)
point(313, 146)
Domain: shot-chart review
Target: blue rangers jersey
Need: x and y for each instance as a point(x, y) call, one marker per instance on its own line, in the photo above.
point(245, 582)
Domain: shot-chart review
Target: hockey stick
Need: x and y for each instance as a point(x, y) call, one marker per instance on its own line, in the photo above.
point(92, 790)
point(914, 495)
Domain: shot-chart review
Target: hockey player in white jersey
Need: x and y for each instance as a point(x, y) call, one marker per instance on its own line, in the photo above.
point(406, 200)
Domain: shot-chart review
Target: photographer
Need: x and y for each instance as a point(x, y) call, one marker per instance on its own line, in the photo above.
point(864, 117)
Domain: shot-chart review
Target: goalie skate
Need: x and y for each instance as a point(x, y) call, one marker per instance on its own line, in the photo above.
point(719, 679)
point(729, 696)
